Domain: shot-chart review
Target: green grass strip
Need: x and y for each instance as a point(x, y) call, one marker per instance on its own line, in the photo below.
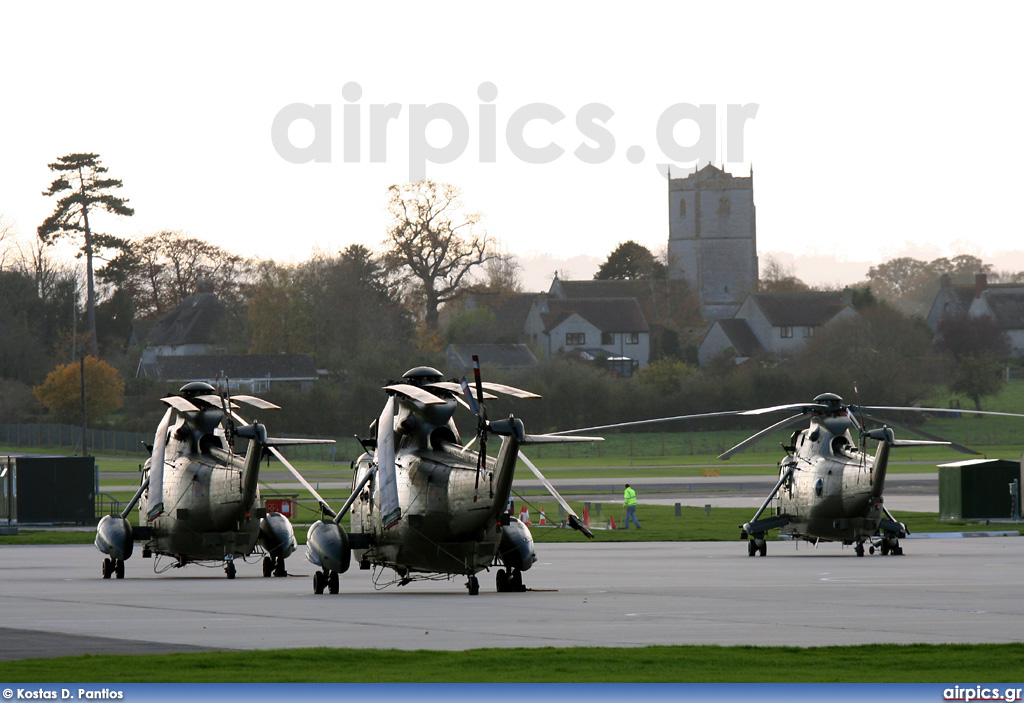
point(990, 663)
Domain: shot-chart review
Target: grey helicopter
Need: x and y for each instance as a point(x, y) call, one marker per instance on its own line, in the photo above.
point(424, 502)
point(829, 487)
point(199, 501)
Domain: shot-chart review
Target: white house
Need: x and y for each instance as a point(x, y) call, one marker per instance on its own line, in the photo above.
point(1005, 305)
point(613, 328)
point(780, 323)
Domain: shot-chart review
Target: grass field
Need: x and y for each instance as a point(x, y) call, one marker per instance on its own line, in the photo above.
point(988, 663)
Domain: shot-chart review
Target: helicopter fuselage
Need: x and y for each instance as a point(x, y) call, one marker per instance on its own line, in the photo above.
point(211, 500)
point(834, 489)
point(450, 516)
point(205, 515)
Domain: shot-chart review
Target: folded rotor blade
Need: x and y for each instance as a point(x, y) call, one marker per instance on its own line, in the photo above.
point(255, 402)
point(574, 519)
point(754, 439)
point(390, 508)
point(453, 387)
point(216, 401)
point(155, 502)
point(182, 405)
point(509, 390)
point(415, 393)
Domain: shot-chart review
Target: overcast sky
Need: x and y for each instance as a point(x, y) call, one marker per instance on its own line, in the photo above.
point(874, 130)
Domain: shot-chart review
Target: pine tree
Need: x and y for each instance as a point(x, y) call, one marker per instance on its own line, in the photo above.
point(83, 188)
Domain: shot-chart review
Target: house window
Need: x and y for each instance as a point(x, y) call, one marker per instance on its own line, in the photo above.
point(809, 331)
point(786, 332)
point(260, 385)
point(682, 207)
point(575, 339)
point(607, 338)
point(632, 337)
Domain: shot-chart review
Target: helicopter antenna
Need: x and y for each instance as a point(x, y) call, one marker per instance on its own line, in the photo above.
point(229, 424)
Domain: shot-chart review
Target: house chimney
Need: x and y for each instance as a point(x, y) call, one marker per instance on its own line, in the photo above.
point(980, 284)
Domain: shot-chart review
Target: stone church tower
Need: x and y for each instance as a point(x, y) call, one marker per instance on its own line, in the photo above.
point(712, 238)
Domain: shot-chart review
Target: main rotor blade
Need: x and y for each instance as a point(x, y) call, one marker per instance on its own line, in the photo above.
point(295, 472)
point(754, 439)
point(574, 519)
point(940, 410)
point(557, 439)
point(646, 422)
point(906, 428)
point(803, 407)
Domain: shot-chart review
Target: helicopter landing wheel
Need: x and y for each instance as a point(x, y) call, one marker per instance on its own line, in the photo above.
point(896, 551)
point(279, 569)
point(473, 585)
point(502, 581)
point(319, 582)
point(333, 584)
point(108, 568)
point(884, 547)
point(268, 567)
point(871, 549)
point(119, 568)
point(229, 569)
point(859, 549)
point(516, 581)
point(751, 548)
point(762, 547)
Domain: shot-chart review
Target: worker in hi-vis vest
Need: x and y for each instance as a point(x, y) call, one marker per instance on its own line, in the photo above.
point(629, 502)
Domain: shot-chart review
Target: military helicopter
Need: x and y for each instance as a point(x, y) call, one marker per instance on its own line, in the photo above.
point(829, 488)
point(428, 506)
point(199, 501)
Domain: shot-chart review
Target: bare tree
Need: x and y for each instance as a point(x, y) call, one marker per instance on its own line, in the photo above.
point(777, 277)
point(162, 269)
point(8, 246)
point(432, 244)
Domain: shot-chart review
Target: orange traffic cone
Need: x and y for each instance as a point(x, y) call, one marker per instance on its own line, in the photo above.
point(611, 524)
point(543, 517)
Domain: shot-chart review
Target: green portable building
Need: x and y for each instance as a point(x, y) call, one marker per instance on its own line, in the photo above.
point(47, 489)
point(980, 489)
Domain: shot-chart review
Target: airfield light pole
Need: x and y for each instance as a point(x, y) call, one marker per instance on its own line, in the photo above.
point(81, 367)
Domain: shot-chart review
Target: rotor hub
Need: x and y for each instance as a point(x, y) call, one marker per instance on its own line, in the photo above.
point(422, 375)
